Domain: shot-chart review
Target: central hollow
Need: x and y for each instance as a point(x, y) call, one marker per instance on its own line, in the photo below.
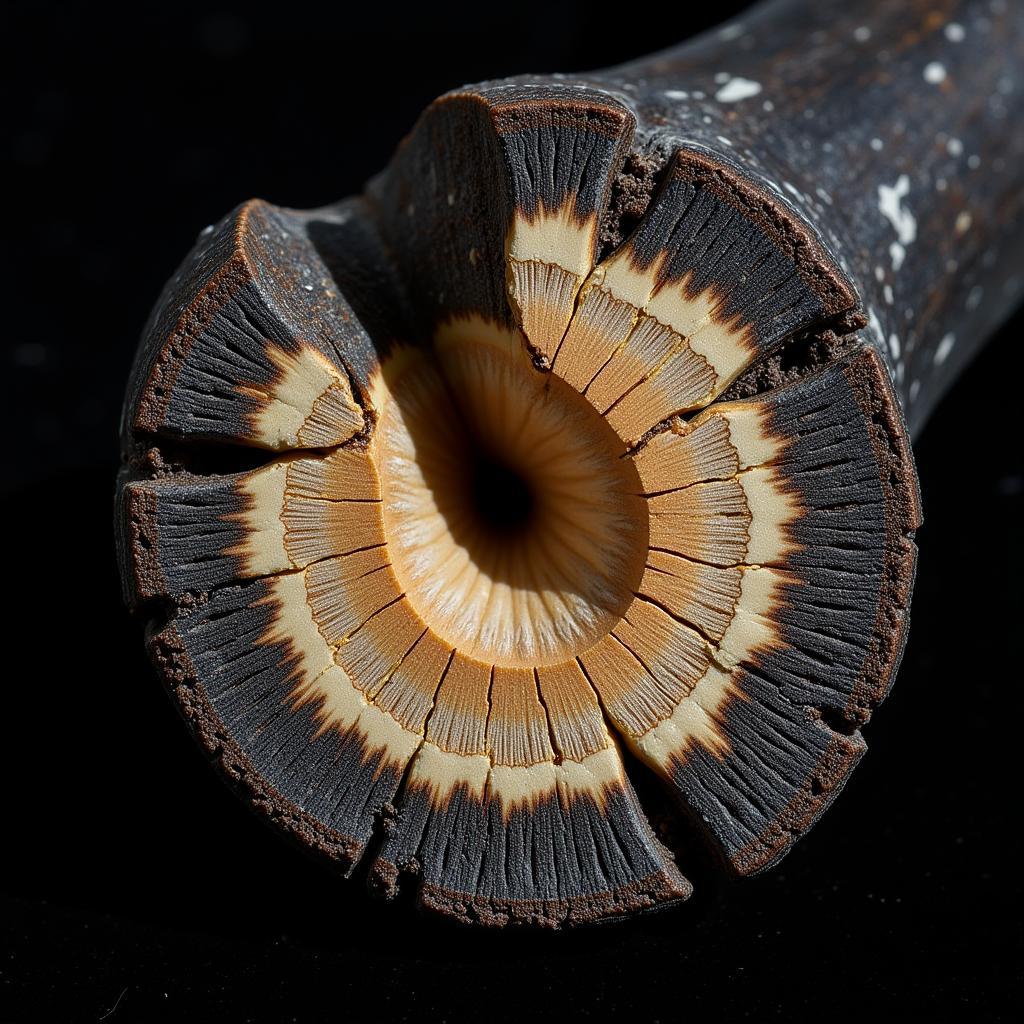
point(514, 523)
point(502, 497)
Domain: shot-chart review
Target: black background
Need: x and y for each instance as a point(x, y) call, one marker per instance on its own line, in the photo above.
point(133, 880)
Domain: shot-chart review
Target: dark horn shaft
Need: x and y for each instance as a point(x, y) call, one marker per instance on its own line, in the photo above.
point(890, 127)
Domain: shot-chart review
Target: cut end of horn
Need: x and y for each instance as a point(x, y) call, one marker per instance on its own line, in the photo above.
point(507, 523)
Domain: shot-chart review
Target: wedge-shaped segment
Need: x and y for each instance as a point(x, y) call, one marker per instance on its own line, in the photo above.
point(254, 341)
point(496, 200)
point(181, 535)
point(260, 687)
point(709, 281)
point(528, 815)
point(559, 191)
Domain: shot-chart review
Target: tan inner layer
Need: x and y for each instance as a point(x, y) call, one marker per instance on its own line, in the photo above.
point(535, 590)
point(631, 588)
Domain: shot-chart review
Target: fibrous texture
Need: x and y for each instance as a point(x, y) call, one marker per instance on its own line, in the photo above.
point(497, 526)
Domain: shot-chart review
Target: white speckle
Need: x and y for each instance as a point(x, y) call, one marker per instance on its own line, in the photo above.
point(963, 222)
point(898, 254)
point(940, 184)
point(722, 77)
point(875, 327)
point(308, 287)
point(768, 106)
point(951, 266)
point(822, 194)
point(676, 94)
point(955, 32)
point(862, 33)
point(934, 73)
point(974, 161)
point(206, 231)
point(737, 89)
point(879, 274)
point(723, 140)
point(894, 345)
point(887, 292)
point(792, 190)
point(890, 205)
point(706, 119)
point(731, 32)
point(945, 347)
point(876, 144)
point(915, 387)
point(698, 95)
point(974, 297)
point(955, 147)
point(451, 198)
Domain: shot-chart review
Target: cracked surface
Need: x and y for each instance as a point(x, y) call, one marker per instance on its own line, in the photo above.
point(508, 522)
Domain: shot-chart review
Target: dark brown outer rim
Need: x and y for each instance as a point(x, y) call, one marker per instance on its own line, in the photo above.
point(175, 669)
point(524, 107)
point(787, 232)
point(150, 410)
point(654, 892)
point(830, 774)
point(872, 388)
point(141, 576)
point(873, 392)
